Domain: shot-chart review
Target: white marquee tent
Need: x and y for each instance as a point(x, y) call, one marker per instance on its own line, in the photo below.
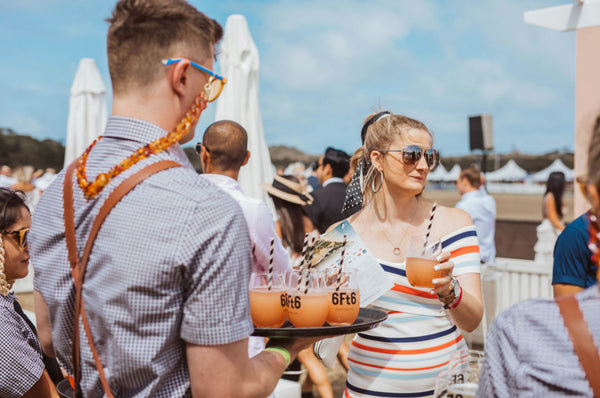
point(509, 172)
point(557, 165)
point(453, 174)
point(438, 174)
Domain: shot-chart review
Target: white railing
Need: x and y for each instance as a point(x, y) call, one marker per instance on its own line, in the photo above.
point(506, 282)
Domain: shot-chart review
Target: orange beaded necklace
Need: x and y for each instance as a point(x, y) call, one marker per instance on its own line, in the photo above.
point(91, 190)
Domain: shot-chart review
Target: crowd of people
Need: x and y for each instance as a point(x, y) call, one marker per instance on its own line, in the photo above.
point(142, 265)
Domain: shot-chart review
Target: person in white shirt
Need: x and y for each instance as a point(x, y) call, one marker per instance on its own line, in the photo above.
point(6, 179)
point(481, 207)
point(223, 151)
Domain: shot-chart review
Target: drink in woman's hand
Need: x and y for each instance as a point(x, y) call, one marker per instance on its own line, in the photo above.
point(267, 307)
point(420, 260)
point(420, 272)
point(307, 310)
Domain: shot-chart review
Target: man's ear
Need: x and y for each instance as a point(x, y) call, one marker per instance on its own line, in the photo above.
point(204, 159)
point(247, 158)
point(328, 171)
point(178, 76)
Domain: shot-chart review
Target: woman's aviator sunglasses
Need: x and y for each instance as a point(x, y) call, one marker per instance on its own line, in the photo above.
point(20, 236)
point(412, 154)
point(215, 82)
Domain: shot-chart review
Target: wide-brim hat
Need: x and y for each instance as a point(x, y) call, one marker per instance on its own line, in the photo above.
point(290, 191)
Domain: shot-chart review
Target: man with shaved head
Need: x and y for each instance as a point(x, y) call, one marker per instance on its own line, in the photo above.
point(223, 152)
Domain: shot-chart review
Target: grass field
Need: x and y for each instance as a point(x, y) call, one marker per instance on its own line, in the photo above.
point(514, 207)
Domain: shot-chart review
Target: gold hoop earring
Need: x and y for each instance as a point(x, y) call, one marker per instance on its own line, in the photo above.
point(380, 182)
point(4, 286)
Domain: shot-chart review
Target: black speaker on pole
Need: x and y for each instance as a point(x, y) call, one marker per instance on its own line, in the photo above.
point(480, 132)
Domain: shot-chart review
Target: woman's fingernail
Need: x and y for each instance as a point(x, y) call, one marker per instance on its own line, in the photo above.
point(436, 281)
point(436, 268)
point(439, 257)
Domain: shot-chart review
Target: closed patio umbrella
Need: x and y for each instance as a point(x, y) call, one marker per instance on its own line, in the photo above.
point(239, 102)
point(87, 109)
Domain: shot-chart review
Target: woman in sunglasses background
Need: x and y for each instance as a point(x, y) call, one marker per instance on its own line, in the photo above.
point(407, 351)
point(22, 370)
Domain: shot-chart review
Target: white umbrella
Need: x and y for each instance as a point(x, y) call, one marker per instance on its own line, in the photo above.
point(557, 165)
point(239, 102)
point(87, 109)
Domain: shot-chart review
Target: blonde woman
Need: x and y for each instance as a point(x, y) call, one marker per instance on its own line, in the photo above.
point(22, 373)
point(405, 353)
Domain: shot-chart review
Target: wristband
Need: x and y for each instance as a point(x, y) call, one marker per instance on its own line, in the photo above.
point(283, 352)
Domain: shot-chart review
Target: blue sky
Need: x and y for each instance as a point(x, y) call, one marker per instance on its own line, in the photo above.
point(327, 64)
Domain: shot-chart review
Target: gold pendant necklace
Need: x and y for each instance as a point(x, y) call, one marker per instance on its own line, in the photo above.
point(396, 247)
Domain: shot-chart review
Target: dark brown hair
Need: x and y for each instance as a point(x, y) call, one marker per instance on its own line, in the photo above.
point(290, 220)
point(473, 175)
point(144, 32)
point(11, 202)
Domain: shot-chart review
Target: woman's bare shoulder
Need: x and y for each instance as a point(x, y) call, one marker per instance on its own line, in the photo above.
point(453, 219)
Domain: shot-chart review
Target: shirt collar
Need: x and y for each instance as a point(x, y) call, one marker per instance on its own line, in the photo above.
point(223, 181)
point(332, 180)
point(470, 194)
point(142, 132)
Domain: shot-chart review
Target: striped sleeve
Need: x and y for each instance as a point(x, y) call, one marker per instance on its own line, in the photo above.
point(463, 246)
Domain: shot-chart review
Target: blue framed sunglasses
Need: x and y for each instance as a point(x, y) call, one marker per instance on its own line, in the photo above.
point(411, 154)
point(215, 82)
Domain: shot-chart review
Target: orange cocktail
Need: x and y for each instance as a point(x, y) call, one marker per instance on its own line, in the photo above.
point(307, 310)
point(420, 272)
point(267, 307)
point(343, 306)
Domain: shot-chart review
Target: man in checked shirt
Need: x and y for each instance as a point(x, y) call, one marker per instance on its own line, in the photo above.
point(166, 286)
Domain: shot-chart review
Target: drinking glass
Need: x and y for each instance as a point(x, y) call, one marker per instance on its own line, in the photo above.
point(463, 373)
point(307, 298)
point(267, 299)
point(420, 260)
point(343, 296)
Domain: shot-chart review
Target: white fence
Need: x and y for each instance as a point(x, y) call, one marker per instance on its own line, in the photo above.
point(506, 282)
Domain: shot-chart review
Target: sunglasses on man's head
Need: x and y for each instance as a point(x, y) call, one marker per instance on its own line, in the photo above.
point(412, 154)
point(20, 236)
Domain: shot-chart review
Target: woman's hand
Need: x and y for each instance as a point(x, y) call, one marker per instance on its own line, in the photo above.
point(443, 285)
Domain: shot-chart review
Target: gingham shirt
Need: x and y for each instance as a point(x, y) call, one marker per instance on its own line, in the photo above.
point(170, 265)
point(21, 363)
point(528, 352)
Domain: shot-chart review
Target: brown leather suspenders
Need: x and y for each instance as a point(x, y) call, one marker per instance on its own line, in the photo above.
point(78, 266)
point(582, 339)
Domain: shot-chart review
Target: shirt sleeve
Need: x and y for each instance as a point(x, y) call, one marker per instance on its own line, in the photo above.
point(463, 246)
point(501, 359)
point(571, 257)
point(21, 365)
point(264, 230)
point(216, 258)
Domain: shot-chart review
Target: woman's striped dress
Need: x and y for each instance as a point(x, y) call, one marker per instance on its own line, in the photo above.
point(402, 356)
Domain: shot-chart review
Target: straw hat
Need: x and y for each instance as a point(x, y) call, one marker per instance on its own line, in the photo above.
point(290, 191)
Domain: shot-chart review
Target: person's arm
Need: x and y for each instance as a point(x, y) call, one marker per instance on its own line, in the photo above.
point(469, 311)
point(552, 214)
point(563, 289)
point(42, 319)
point(226, 371)
point(44, 388)
point(461, 259)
